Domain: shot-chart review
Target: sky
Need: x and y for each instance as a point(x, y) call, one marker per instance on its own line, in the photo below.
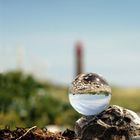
point(39, 36)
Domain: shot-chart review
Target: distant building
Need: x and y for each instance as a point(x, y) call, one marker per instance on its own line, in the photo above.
point(79, 58)
point(20, 57)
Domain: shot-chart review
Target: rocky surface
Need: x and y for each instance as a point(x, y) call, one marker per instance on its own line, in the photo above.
point(35, 133)
point(115, 123)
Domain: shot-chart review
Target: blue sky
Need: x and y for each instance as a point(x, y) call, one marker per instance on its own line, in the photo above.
point(43, 32)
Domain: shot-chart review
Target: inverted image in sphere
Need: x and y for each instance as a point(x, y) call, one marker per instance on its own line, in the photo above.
point(89, 94)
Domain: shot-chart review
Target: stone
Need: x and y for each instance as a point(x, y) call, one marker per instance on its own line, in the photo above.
point(115, 123)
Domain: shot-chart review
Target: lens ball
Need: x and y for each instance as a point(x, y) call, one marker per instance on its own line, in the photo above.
point(89, 94)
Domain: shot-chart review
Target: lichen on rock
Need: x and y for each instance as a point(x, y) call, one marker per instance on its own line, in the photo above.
point(115, 123)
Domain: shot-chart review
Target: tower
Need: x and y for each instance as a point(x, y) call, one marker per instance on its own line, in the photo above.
point(79, 57)
point(20, 57)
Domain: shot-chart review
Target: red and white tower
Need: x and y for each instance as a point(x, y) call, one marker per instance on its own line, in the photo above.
point(79, 57)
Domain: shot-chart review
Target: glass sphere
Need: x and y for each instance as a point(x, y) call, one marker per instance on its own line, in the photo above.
point(89, 94)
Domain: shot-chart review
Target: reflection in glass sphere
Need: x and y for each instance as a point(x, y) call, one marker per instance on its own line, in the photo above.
point(89, 94)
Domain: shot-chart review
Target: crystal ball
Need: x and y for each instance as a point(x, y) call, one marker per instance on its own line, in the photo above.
point(89, 94)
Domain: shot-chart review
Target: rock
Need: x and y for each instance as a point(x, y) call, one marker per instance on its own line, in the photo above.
point(115, 123)
point(69, 133)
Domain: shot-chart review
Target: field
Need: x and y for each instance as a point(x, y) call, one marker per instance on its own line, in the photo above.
point(26, 101)
point(125, 97)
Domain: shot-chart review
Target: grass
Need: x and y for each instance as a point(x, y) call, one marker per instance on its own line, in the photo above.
point(126, 97)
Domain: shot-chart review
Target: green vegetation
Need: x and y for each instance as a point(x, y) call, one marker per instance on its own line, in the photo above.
point(25, 101)
point(126, 97)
